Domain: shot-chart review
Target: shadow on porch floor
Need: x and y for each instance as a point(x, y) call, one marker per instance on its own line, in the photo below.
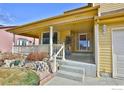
point(82, 57)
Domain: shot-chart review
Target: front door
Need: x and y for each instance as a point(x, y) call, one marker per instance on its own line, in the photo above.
point(83, 42)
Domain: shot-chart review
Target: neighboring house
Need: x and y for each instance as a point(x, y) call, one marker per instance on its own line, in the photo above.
point(96, 29)
point(6, 39)
point(23, 42)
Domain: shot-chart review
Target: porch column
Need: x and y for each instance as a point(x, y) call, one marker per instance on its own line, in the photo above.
point(63, 57)
point(96, 33)
point(51, 42)
point(40, 38)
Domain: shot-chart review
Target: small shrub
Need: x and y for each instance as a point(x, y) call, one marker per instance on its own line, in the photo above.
point(31, 79)
point(37, 56)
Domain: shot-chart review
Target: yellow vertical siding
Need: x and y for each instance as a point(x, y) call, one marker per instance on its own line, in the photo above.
point(107, 7)
point(105, 46)
point(105, 50)
point(73, 45)
point(63, 35)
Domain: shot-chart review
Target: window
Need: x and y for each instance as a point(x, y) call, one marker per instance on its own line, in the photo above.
point(83, 42)
point(46, 38)
point(22, 42)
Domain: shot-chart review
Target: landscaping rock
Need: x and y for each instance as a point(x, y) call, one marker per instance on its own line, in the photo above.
point(1, 63)
point(42, 66)
point(8, 62)
point(7, 59)
point(30, 65)
point(50, 65)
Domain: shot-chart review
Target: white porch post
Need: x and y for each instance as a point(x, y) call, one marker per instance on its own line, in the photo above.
point(51, 50)
point(96, 33)
point(63, 57)
point(51, 42)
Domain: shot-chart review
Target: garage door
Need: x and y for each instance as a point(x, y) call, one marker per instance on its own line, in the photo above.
point(118, 52)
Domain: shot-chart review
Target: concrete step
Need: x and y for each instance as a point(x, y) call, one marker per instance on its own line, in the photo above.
point(73, 63)
point(71, 69)
point(69, 75)
point(90, 69)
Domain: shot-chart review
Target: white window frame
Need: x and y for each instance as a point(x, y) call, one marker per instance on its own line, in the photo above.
point(79, 39)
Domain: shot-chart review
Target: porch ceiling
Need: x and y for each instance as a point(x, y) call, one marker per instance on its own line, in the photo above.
point(84, 23)
point(76, 27)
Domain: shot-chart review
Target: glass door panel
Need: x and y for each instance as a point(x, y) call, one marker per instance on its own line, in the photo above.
point(83, 42)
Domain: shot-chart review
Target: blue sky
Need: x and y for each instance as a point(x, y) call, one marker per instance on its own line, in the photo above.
point(21, 13)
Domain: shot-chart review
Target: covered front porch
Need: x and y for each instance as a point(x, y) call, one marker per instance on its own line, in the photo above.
point(72, 32)
point(52, 38)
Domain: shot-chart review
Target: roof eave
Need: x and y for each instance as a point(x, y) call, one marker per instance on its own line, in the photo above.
point(55, 17)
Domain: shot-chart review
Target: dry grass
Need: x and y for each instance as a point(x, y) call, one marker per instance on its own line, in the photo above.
point(17, 76)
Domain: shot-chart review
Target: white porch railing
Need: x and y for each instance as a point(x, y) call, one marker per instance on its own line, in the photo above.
point(56, 48)
point(60, 52)
point(40, 48)
point(28, 49)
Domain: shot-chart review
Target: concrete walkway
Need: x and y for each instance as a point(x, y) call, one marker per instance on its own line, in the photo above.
point(88, 81)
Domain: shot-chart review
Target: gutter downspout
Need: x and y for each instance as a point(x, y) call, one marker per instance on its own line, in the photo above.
point(96, 32)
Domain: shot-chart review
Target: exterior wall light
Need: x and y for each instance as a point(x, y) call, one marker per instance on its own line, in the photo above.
point(104, 29)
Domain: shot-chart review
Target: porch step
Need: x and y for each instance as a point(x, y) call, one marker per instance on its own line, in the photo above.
point(77, 67)
point(71, 63)
point(69, 75)
point(72, 69)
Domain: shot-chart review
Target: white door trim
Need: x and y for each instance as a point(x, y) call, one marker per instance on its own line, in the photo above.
point(114, 59)
point(114, 56)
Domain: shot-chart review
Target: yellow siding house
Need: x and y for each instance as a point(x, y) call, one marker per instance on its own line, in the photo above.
point(99, 25)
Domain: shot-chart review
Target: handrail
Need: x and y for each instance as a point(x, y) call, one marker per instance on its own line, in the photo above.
point(58, 51)
point(55, 57)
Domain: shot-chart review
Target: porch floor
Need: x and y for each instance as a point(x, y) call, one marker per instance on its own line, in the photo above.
point(82, 57)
